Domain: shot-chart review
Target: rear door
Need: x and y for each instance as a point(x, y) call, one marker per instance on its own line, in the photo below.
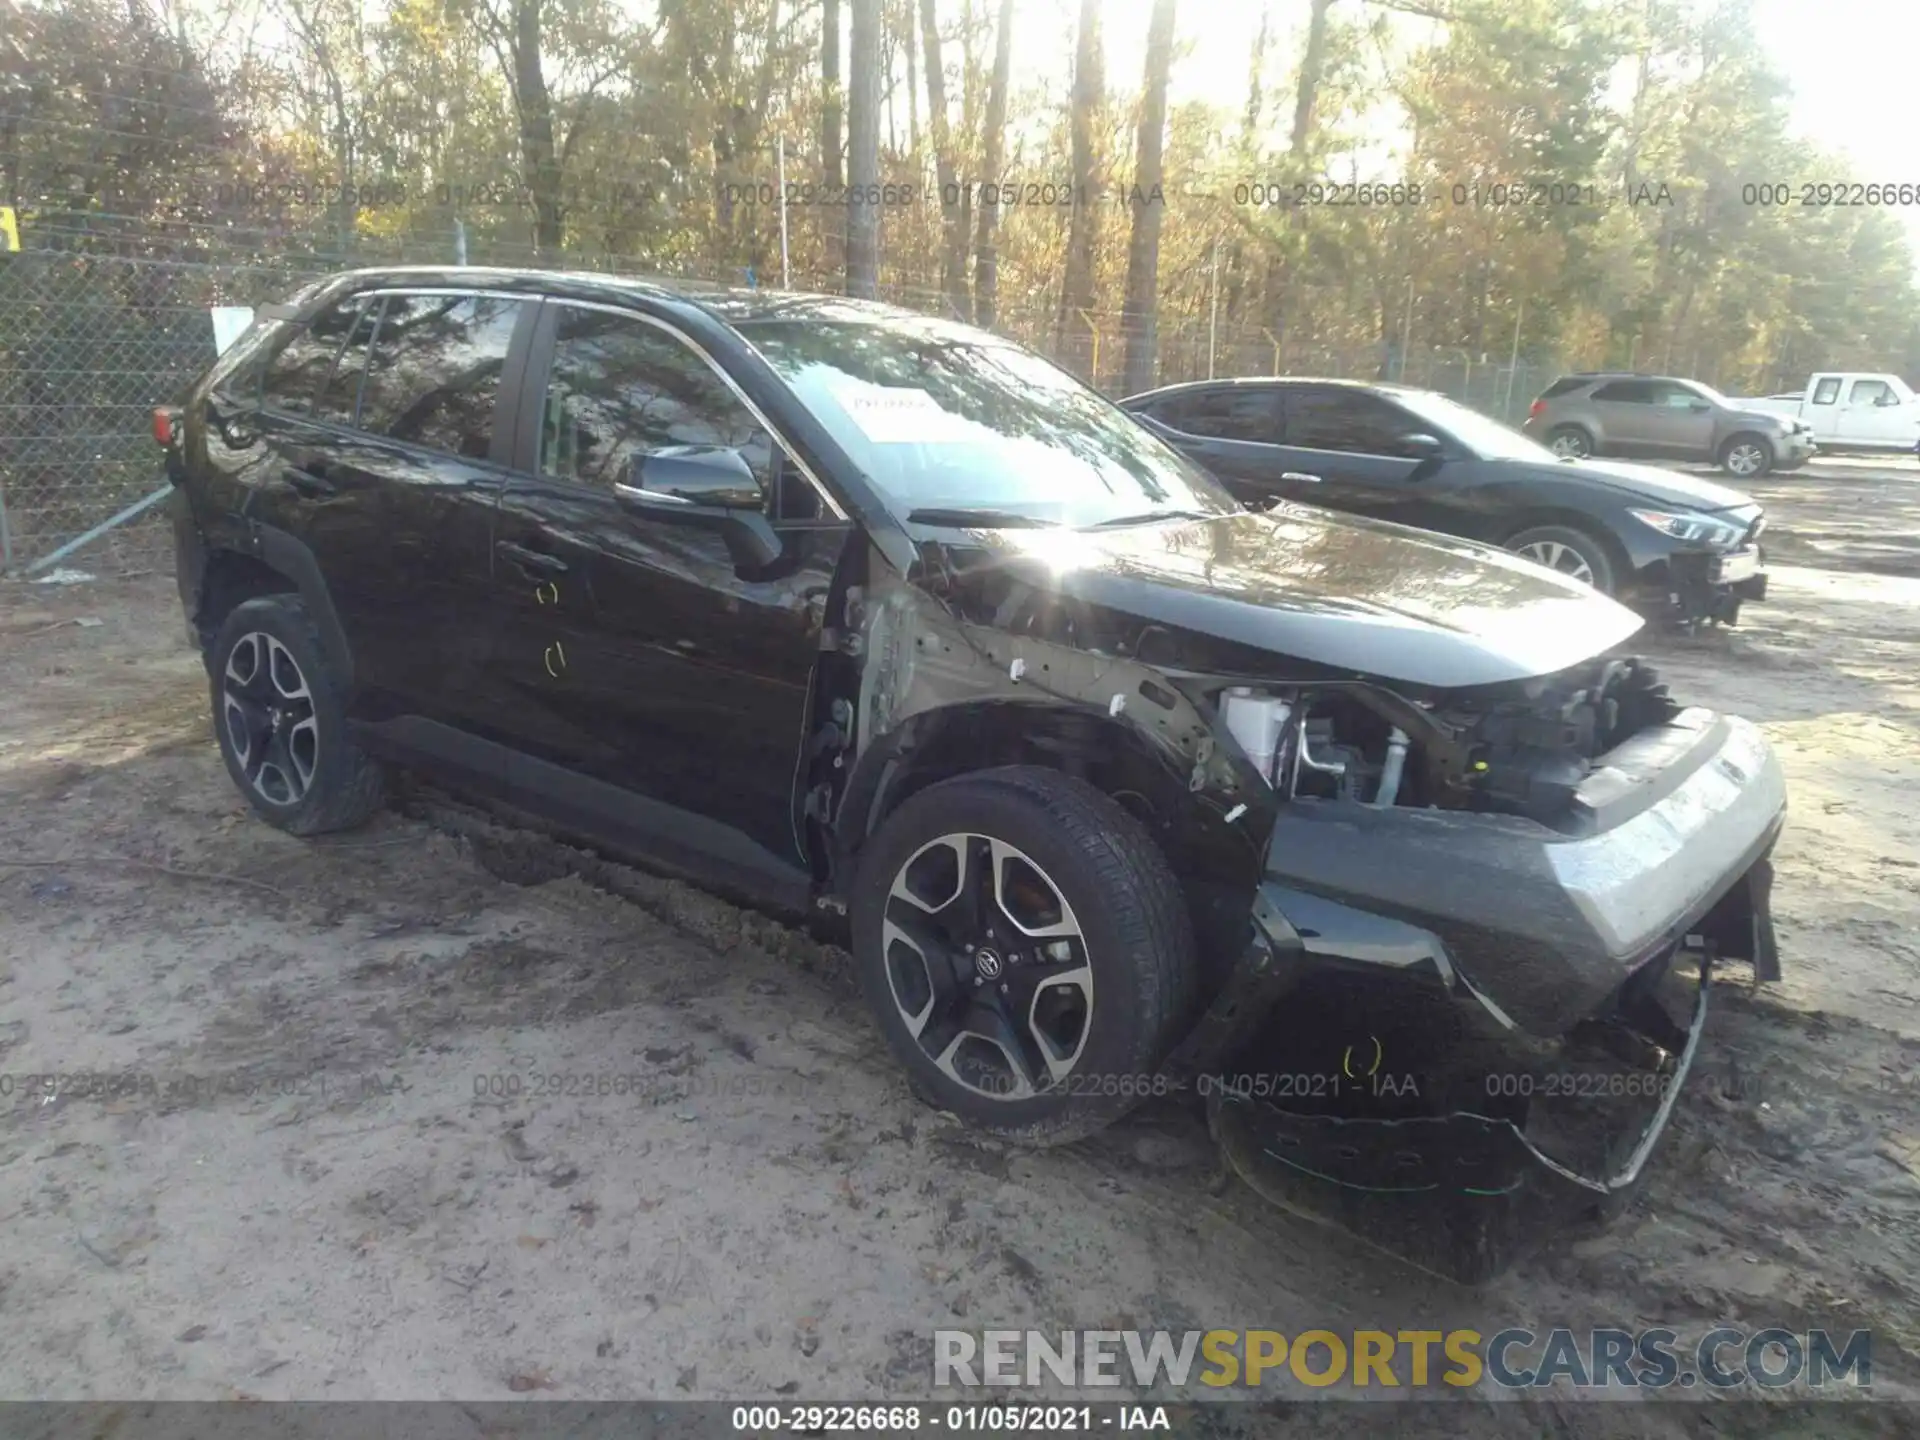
point(1629, 424)
point(396, 520)
point(402, 499)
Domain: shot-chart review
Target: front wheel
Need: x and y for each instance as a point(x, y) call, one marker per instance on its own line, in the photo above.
point(1573, 553)
point(1747, 456)
point(1026, 951)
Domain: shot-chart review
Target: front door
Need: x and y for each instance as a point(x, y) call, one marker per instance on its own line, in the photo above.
point(1230, 430)
point(1355, 447)
point(632, 652)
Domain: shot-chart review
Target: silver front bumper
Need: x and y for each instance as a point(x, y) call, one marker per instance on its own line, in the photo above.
point(1543, 925)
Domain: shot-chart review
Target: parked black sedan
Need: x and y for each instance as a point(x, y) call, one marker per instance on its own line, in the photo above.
point(1670, 544)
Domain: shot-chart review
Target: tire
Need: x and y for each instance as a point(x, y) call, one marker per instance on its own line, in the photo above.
point(1567, 550)
point(1571, 441)
point(299, 770)
point(1088, 1018)
point(1753, 452)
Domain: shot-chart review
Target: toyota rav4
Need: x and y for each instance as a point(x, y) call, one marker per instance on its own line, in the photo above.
point(1108, 782)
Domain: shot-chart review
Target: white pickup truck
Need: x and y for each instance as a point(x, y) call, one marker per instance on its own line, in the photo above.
point(1852, 410)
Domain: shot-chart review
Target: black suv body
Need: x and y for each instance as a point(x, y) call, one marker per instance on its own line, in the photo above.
point(882, 620)
point(1675, 546)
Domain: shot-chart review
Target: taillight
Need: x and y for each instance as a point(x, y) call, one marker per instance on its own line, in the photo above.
point(163, 425)
point(1535, 408)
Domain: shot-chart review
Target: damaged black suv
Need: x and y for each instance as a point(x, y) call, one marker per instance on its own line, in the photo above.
point(884, 621)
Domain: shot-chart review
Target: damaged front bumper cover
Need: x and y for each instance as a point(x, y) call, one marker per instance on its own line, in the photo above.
point(1419, 982)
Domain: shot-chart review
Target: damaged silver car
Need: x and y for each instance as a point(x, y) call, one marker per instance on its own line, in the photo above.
point(1372, 838)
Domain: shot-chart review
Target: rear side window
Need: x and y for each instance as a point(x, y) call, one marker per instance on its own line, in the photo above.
point(1564, 385)
point(297, 373)
point(433, 371)
point(1237, 414)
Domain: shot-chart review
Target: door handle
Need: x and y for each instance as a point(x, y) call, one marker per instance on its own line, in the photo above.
point(1300, 477)
point(307, 482)
point(537, 561)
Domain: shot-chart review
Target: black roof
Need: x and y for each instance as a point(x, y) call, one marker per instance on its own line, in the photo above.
point(731, 305)
point(1276, 382)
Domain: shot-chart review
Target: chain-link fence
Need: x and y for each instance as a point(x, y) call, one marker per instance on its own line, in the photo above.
point(92, 341)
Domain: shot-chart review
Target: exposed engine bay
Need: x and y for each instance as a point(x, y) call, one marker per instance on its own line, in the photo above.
point(1460, 883)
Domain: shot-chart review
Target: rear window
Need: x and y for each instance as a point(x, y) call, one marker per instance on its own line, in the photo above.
point(1564, 385)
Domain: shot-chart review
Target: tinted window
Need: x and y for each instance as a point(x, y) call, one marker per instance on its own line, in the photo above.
point(1827, 391)
point(1868, 392)
point(1562, 386)
point(621, 388)
point(307, 359)
point(434, 370)
point(1237, 414)
point(1627, 392)
point(1350, 420)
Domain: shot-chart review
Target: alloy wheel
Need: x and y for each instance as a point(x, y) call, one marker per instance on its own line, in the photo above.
point(1569, 445)
point(987, 966)
point(267, 710)
point(1555, 556)
point(1746, 458)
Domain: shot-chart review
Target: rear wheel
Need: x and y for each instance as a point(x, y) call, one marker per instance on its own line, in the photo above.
point(1747, 456)
point(1026, 951)
point(1574, 553)
point(1570, 442)
point(281, 722)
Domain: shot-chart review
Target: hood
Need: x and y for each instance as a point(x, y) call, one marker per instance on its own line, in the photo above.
point(1360, 596)
point(1651, 483)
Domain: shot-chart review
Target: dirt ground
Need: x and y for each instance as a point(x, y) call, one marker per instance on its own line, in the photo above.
point(334, 1179)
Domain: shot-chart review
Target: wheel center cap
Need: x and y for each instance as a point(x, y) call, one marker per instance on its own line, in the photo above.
point(988, 963)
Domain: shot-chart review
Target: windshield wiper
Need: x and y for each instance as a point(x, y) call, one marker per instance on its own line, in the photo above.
point(1147, 517)
point(965, 517)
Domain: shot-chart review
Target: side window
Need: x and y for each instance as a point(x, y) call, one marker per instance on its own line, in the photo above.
point(433, 371)
point(1626, 392)
point(621, 388)
point(1673, 397)
point(1348, 420)
point(1827, 391)
point(295, 375)
point(1868, 392)
point(1236, 414)
point(341, 391)
point(1562, 386)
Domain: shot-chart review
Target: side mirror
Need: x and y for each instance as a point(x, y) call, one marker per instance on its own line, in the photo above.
point(1699, 407)
point(1422, 446)
point(1888, 399)
point(708, 486)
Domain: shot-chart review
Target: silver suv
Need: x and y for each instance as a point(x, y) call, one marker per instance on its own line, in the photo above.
point(1659, 417)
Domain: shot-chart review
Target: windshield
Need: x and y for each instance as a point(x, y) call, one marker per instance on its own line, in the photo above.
point(946, 420)
point(1486, 437)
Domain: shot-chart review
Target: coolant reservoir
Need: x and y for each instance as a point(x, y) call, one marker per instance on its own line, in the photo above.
point(1257, 721)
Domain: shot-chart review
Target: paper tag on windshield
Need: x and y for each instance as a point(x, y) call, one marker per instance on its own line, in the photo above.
point(903, 416)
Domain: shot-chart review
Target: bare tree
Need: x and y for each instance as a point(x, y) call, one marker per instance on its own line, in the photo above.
point(830, 94)
point(953, 262)
point(1089, 89)
point(986, 256)
point(1140, 313)
point(863, 151)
